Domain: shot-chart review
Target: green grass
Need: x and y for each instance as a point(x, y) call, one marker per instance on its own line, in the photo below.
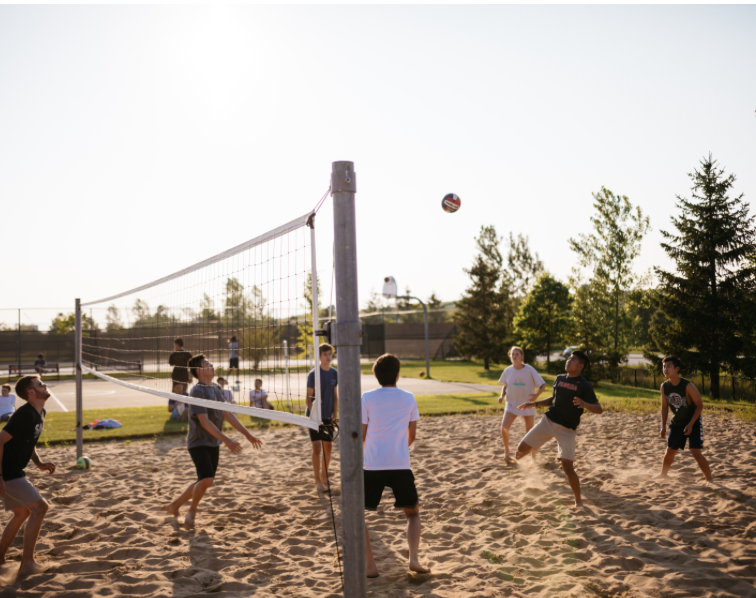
point(154, 422)
point(138, 422)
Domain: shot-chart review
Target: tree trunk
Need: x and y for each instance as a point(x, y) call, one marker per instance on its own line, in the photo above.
point(616, 321)
point(548, 351)
point(713, 381)
point(486, 364)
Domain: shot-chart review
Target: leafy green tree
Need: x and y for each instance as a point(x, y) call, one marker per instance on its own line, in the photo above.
point(65, 324)
point(610, 251)
point(543, 317)
point(524, 266)
point(305, 339)
point(641, 306)
point(589, 323)
point(113, 319)
point(374, 302)
point(708, 297)
point(484, 312)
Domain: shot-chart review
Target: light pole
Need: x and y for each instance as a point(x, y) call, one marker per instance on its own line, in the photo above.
point(389, 291)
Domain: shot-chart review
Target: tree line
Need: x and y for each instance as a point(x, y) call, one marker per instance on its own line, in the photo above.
point(700, 304)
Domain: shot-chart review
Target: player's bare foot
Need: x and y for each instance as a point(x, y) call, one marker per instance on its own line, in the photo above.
point(418, 568)
point(372, 572)
point(579, 504)
point(172, 510)
point(509, 459)
point(189, 519)
point(321, 487)
point(30, 569)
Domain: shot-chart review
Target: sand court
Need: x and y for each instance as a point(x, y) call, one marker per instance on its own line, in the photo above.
point(488, 529)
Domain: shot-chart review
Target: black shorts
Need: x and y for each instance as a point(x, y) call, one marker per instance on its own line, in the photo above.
point(317, 436)
point(233, 363)
point(205, 460)
point(676, 439)
point(401, 481)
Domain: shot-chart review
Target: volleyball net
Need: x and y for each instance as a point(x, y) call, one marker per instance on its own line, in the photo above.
point(248, 310)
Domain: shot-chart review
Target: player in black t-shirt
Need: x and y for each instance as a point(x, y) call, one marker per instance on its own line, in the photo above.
point(18, 441)
point(682, 397)
point(572, 395)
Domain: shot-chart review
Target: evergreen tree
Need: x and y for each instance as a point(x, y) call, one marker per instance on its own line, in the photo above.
point(484, 312)
point(434, 305)
point(543, 316)
point(708, 298)
point(611, 250)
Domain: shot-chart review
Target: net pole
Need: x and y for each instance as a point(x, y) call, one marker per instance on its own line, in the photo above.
point(79, 398)
point(316, 412)
point(286, 376)
point(348, 339)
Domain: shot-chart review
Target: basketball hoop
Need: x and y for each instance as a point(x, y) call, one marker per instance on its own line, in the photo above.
point(389, 287)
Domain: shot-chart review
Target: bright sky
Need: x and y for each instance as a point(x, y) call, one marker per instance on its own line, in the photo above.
point(135, 141)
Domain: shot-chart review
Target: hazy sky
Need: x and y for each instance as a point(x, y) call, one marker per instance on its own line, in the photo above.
point(135, 141)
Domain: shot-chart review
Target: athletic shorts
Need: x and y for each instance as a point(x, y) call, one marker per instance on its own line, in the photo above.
point(401, 481)
point(510, 408)
point(19, 493)
point(317, 436)
point(545, 430)
point(205, 460)
point(677, 438)
point(233, 363)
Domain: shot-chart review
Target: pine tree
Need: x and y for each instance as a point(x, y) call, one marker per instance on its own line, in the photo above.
point(524, 267)
point(708, 298)
point(543, 316)
point(611, 250)
point(484, 312)
point(435, 316)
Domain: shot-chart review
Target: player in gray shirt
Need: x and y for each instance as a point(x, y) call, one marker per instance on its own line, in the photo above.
point(205, 437)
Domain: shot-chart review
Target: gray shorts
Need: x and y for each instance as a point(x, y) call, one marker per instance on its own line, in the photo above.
point(20, 493)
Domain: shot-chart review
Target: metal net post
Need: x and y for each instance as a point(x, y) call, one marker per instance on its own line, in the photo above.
point(348, 341)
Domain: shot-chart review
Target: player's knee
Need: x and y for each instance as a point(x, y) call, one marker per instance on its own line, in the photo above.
point(40, 507)
point(316, 450)
point(206, 482)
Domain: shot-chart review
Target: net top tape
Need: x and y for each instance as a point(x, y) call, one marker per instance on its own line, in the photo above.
point(270, 235)
point(281, 416)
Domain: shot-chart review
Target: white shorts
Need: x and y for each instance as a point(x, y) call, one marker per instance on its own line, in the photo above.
point(513, 409)
point(545, 430)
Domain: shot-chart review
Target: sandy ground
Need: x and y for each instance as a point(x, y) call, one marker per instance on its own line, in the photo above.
point(488, 529)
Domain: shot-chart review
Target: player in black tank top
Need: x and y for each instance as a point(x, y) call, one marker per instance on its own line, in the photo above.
point(682, 397)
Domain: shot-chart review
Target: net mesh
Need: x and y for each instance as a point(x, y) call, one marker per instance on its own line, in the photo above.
point(248, 310)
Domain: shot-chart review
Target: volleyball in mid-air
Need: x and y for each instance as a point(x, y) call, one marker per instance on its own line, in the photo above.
point(450, 203)
point(83, 463)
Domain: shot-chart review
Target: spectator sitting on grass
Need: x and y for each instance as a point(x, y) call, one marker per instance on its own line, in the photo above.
point(259, 396)
point(177, 408)
point(222, 382)
point(40, 363)
point(7, 403)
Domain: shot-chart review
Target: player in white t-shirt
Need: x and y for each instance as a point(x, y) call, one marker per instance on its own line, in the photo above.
point(519, 383)
point(389, 426)
point(7, 403)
